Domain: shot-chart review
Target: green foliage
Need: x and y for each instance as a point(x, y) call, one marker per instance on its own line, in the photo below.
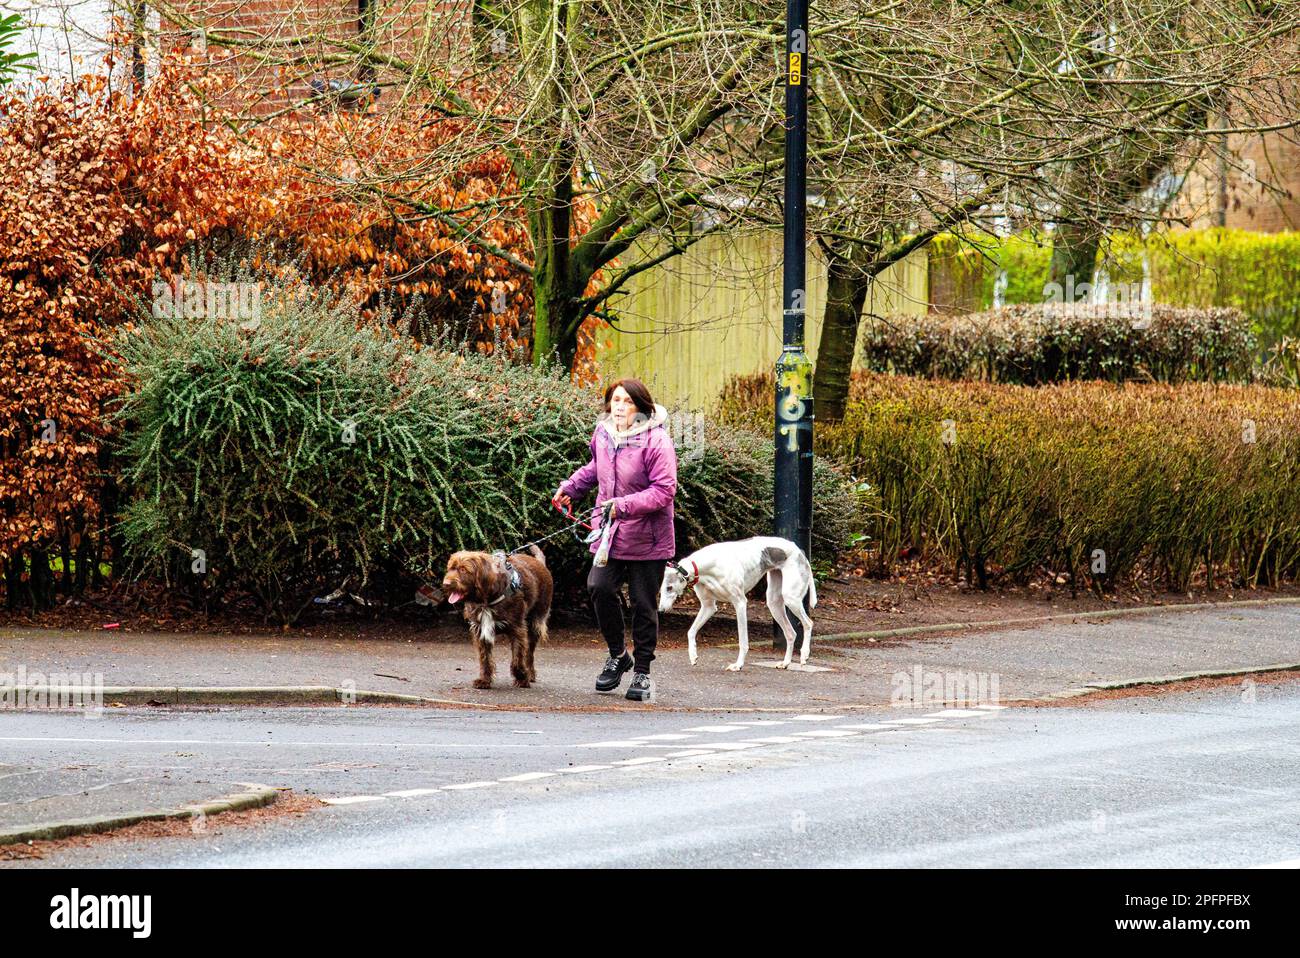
point(1255, 273)
point(1035, 344)
point(235, 441)
point(1167, 481)
point(10, 27)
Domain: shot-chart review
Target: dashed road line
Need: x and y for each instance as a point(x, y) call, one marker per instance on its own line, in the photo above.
point(617, 743)
point(716, 728)
point(352, 799)
point(825, 733)
point(730, 746)
point(888, 727)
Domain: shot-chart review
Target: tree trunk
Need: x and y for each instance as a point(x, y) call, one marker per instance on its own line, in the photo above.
point(1074, 253)
point(555, 290)
point(847, 285)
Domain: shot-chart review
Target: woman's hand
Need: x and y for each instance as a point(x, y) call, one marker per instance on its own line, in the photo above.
point(560, 499)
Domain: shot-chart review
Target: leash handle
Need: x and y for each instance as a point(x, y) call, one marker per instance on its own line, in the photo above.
point(568, 514)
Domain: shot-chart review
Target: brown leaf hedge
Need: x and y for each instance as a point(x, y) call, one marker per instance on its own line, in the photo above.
point(1098, 481)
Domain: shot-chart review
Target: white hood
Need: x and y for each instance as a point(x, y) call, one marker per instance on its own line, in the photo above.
point(658, 419)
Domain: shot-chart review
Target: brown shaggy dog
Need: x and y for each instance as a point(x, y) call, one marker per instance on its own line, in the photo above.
point(501, 605)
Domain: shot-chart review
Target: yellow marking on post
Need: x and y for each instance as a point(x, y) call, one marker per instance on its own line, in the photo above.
point(796, 69)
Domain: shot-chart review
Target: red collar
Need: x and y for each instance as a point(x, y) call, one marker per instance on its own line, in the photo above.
point(696, 578)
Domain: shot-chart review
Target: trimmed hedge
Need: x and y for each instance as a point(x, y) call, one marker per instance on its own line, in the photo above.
point(1255, 273)
point(235, 442)
point(1049, 343)
point(1166, 481)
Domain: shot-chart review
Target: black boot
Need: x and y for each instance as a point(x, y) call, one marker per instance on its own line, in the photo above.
point(640, 689)
point(612, 675)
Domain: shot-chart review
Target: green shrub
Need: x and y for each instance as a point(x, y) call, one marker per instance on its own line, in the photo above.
point(1034, 344)
point(1166, 481)
point(235, 441)
point(1257, 274)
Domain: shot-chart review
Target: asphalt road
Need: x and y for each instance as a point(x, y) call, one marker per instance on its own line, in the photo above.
point(1205, 779)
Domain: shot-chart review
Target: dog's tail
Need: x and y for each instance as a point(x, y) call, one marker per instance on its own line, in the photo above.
point(812, 580)
point(535, 552)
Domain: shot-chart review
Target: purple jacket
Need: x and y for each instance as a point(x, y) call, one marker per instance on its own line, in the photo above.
point(637, 469)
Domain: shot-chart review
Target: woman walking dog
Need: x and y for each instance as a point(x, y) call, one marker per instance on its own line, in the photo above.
point(634, 470)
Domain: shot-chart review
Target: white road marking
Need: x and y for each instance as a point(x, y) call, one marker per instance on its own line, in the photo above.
point(463, 785)
point(412, 792)
point(761, 723)
point(643, 760)
point(913, 721)
point(730, 746)
point(582, 768)
point(778, 739)
point(825, 733)
point(690, 753)
point(958, 713)
point(865, 727)
point(615, 743)
point(719, 728)
point(815, 718)
point(527, 777)
point(352, 799)
point(666, 737)
point(663, 744)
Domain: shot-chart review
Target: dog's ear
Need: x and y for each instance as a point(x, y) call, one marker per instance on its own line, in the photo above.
point(773, 556)
point(484, 572)
point(491, 570)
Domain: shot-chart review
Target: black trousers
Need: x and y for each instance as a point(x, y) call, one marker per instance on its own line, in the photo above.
point(643, 577)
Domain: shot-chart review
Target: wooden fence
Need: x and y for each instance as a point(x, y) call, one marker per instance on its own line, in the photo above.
point(715, 311)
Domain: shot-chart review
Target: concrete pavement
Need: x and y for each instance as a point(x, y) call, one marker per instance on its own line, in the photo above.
point(1029, 661)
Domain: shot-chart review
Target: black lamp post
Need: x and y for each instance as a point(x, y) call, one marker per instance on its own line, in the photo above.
point(792, 482)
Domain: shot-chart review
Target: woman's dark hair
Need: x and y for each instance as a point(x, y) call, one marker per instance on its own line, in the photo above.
point(636, 391)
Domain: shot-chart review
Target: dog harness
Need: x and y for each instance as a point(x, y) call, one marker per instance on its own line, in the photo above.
point(512, 585)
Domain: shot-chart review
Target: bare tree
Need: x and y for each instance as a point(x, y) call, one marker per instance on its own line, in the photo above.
point(623, 109)
point(948, 116)
point(663, 120)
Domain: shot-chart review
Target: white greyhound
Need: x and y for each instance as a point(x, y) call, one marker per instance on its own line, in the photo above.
point(726, 571)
